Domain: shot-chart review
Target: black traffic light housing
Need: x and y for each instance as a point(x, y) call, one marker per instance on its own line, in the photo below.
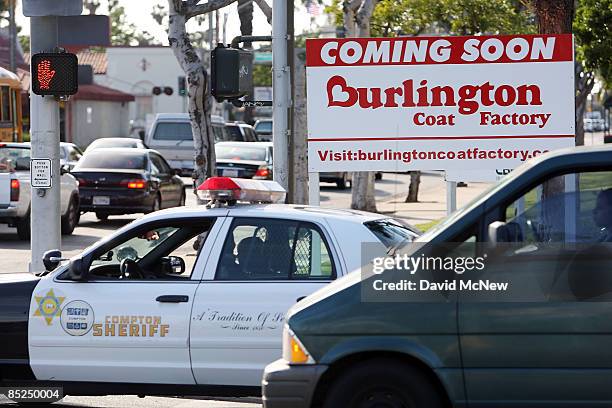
point(231, 73)
point(55, 73)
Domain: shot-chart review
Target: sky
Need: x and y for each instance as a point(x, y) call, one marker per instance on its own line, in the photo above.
point(138, 12)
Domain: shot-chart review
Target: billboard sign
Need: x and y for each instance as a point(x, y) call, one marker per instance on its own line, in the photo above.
point(476, 103)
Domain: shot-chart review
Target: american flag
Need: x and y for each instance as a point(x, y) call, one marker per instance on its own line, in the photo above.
point(313, 8)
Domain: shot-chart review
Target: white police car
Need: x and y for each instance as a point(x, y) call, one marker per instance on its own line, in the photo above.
point(182, 301)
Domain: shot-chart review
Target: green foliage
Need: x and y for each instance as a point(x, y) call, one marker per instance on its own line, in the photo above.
point(24, 40)
point(593, 30)
point(262, 75)
point(459, 17)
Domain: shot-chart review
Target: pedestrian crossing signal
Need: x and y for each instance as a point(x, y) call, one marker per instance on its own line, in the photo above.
point(54, 74)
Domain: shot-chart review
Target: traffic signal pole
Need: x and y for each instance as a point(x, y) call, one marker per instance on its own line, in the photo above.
point(45, 140)
point(280, 94)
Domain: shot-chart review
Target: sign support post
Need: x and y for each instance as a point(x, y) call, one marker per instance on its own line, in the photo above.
point(451, 197)
point(281, 93)
point(44, 135)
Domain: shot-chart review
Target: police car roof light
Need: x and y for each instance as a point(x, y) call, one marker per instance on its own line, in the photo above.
point(230, 190)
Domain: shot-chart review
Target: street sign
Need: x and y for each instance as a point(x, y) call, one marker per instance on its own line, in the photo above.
point(55, 74)
point(479, 104)
point(262, 57)
point(40, 173)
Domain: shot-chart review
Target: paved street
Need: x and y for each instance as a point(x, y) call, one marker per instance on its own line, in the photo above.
point(393, 187)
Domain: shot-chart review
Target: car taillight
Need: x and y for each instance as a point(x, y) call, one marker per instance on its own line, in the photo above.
point(82, 182)
point(14, 190)
point(262, 173)
point(136, 184)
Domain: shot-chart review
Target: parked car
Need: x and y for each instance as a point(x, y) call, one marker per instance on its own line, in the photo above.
point(114, 181)
point(263, 128)
point(241, 132)
point(70, 154)
point(171, 136)
point(15, 191)
point(244, 159)
point(116, 142)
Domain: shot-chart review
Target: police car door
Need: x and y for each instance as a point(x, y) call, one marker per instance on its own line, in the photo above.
point(128, 321)
point(262, 268)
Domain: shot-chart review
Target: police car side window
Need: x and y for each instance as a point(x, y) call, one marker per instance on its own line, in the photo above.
point(162, 252)
point(268, 249)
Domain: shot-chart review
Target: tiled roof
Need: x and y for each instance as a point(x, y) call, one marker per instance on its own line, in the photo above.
point(96, 59)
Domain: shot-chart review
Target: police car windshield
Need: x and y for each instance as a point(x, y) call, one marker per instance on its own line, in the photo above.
point(240, 153)
point(173, 131)
point(114, 160)
point(392, 233)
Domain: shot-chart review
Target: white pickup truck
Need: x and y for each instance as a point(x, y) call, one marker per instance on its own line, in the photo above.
point(15, 191)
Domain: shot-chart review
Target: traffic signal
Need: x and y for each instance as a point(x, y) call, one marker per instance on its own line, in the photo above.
point(182, 86)
point(55, 73)
point(231, 73)
point(157, 90)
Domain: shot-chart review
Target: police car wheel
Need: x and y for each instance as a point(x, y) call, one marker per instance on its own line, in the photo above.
point(383, 383)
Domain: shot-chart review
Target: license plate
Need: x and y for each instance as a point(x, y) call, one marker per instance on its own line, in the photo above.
point(101, 200)
point(230, 173)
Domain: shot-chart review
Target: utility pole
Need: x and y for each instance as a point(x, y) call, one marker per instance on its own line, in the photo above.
point(12, 36)
point(281, 93)
point(45, 138)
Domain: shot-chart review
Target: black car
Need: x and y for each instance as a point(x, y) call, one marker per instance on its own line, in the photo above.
point(114, 181)
point(244, 159)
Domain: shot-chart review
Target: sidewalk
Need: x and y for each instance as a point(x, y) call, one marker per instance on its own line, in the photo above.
point(432, 201)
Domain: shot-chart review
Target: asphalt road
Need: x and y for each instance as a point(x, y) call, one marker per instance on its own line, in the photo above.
point(15, 254)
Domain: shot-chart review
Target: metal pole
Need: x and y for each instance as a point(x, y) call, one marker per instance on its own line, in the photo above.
point(281, 92)
point(451, 197)
point(290, 110)
point(314, 189)
point(45, 138)
point(12, 36)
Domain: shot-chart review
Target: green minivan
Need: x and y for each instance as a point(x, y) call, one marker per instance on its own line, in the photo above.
point(546, 229)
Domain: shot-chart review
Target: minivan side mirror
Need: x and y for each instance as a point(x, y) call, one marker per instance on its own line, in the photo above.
point(500, 231)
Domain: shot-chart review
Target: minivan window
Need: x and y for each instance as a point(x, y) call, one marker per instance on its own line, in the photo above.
point(173, 131)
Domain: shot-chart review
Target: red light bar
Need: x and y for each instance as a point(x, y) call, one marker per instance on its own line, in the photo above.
point(226, 189)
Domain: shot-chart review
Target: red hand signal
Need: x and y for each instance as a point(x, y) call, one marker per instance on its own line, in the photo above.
point(45, 74)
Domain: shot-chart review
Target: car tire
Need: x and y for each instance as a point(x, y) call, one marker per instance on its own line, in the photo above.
point(156, 204)
point(23, 227)
point(383, 383)
point(101, 216)
point(71, 219)
point(342, 183)
point(378, 176)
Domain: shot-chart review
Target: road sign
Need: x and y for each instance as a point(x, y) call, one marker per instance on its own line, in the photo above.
point(40, 173)
point(55, 74)
point(478, 104)
point(262, 57)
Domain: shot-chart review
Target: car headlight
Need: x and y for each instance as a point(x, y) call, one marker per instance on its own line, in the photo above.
point(294, 351)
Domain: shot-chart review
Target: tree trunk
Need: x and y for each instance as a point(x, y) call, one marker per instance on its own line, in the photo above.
point(554, 16)
point(413, 189)
point(198, 94)
point(362, 194)
point(300, 145)
point(584, 85)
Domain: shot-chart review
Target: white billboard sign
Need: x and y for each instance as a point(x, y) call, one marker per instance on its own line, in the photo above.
point(481, 104)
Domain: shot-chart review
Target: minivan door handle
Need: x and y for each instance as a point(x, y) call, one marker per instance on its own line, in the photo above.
point(172, 299)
